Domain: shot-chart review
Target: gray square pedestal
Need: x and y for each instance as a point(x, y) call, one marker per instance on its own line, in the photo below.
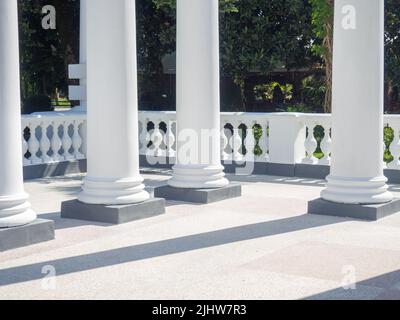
point(198, 195)
point(116, 214)
point(38, 231)
point(371, 212)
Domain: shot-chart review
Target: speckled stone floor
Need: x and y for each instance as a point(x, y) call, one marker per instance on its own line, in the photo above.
point(260, 246)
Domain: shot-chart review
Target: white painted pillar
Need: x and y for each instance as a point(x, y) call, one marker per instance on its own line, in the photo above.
point(15, 210)
point(198, 97)
point(113, 143)
point(358, 79)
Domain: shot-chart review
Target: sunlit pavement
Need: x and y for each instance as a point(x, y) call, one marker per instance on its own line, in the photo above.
point(260, 246)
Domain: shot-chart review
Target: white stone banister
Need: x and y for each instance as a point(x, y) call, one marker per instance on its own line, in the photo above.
point(282, 138)
point(157, 133)
point(245, 136)
point(311, 143)
point(52, 137)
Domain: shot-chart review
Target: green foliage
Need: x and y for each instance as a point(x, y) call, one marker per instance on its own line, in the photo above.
point(388, 138)
point(322, 14)
point(45, 54)
point(266, 91)
point(392, 41)
point(313, 91)
point(156, 38)
point(301, 107)
point(257, 35)
point(322, 22)
point(265, 35)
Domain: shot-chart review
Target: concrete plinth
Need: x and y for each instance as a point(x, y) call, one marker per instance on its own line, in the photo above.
point(38, 231)
point(198, 195)
point(115, 214)
point(371, 212)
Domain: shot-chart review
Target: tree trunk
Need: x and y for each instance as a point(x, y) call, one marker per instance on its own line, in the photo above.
point(328, 44)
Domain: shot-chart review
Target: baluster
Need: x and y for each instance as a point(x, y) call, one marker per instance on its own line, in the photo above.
point(263, 143)
point(250, 143)
point(144, 137)
point(157, 139)
point(66, 141)
point(236, 142)
point(33, 144)
point(56, 142)
point(310, 144)
point(45, 143)
point(169, 139)
point(163, 149)
point(385, 165)
point(326, 146)
point(25, 147)
point(224, 142)
point(77, 141)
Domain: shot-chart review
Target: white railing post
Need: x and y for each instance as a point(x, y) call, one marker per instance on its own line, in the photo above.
point(77, 140)
point(169, 138)
point(45, 144)
point(286, 138)
point(326, 144)
point(33, 143)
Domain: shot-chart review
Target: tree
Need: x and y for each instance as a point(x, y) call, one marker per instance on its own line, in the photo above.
point(322, 21)
point(263, 36)
point(156, 38)
point(392, 52)
point(45, 53)
point(260, 36)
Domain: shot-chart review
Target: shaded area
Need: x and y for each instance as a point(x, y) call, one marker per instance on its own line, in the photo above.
point(383, 287)
point(60, 223)
point(165, 247)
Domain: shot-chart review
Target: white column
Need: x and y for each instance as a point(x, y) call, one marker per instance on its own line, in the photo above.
point(198, 97)
point(358, 79)
point(15, 210)
point(113, 143)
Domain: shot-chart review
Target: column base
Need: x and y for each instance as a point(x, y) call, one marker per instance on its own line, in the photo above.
point(198, 176)
point(113, 191)
point(38, 231)
point(370, 212)
point(113, 214)
point(198, 195)
point(350, 190)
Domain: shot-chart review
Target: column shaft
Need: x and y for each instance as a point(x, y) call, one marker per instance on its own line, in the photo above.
point(198, 96)
point(15, 210)
point(357, 116)
point(113, 142)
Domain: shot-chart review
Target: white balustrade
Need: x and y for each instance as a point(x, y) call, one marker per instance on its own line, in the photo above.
point(54, 137)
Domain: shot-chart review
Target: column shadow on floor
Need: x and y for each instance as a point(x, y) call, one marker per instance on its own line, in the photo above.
point(278, 180)
point(382, 287)
point(165, 247)
point(61, 223)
